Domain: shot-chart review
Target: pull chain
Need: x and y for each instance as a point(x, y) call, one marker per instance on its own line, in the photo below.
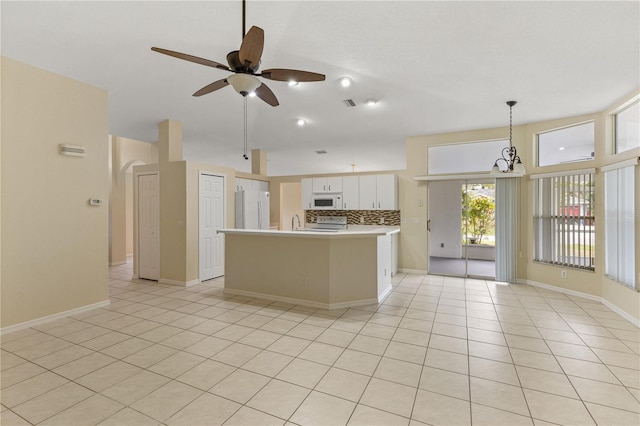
point(245, 129)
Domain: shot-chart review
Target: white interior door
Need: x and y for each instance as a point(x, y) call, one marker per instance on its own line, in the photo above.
point(149, 227)
point(211, 219)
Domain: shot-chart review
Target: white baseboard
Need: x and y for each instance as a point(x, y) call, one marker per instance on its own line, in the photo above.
point(118, 263)
point(319, 305)
point(49, 318)
point(385, 293)
point(614, 308)
point(412, 271)
point(179, 283)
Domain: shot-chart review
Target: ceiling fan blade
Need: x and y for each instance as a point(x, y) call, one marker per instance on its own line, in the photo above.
point(212, 87)
point(251, 48)
point(191, 58)
point(280, 74)
point(264, 93)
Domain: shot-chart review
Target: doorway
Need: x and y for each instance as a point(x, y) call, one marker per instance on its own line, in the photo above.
point(462, 228)
point(212, 218)
point(148, 227)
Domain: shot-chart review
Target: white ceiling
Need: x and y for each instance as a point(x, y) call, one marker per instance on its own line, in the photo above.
point(435, 67)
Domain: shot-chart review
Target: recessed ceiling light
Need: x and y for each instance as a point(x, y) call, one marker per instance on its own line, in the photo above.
point(371, 101)
point(345, 82)
point(301, 122)
point(293, 83)
point(561, 148)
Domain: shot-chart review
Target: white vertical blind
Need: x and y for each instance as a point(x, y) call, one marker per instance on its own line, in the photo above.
point(506, 229)
point(620, 225)
point(563, 220)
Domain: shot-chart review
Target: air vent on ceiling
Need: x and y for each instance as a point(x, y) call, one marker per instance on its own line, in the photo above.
point(321, 151)
point(349, 102)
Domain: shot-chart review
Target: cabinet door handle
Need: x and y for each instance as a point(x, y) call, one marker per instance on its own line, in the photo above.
point(344, 206)
point(373, 205)
point(309, 205)
point(429, 225)
point(378, 205)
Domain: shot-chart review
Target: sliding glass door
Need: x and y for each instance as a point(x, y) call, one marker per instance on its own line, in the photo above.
point(462, 228)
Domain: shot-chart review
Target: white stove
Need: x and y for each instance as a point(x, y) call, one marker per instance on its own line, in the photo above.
point(329, 224)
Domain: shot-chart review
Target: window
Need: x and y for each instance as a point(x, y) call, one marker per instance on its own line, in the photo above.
point(464, 157)
point(563, 219)
point(628, 128)
point(566, 145)
point(619, 225)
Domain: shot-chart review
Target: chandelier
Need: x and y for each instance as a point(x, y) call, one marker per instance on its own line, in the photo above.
point(512, 163)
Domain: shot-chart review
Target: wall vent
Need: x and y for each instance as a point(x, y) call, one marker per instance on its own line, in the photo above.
point(349, 102)
point(321, 151)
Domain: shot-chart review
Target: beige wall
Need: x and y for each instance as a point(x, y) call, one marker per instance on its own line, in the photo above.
point(290, 204)
point(54, 245)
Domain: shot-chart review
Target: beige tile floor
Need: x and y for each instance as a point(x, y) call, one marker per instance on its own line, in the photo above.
point(439, 351)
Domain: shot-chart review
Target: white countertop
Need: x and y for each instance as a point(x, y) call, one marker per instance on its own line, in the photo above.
point(351, 231)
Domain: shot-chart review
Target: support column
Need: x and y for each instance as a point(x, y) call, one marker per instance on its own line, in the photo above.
point(170, 141)
point(258, 162)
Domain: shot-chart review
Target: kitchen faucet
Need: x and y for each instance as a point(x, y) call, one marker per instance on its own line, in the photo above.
point(292, 221)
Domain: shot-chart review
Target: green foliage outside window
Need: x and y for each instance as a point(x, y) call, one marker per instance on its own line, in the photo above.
point(481, 213)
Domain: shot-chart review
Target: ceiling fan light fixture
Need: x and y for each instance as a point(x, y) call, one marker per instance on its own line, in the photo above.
point(345, 82)
point(244, 84)
point(292, 83)
point(371, 101)
point(301, 122)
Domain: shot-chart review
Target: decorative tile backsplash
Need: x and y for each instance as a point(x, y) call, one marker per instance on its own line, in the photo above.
point(358, 217)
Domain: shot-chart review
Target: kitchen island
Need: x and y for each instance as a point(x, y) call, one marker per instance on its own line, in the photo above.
point(328, 270)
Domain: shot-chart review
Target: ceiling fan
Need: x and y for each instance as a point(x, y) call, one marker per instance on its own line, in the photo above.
point(244, 64)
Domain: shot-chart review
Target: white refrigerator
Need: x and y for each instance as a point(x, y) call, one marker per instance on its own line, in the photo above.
point(252, 210)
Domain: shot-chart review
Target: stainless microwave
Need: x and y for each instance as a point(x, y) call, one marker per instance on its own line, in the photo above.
point(326, 201)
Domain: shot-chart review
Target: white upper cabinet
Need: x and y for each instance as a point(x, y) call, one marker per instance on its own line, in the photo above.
point(350, 193)
point(367, 192)
point(387, 192)
point(378, 192)
point(368, 197)
point(327, 184)
point(307, 193)
point(243, 184)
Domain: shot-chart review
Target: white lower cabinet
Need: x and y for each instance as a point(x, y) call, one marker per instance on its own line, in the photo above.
point(384, 264)
point(394, 253)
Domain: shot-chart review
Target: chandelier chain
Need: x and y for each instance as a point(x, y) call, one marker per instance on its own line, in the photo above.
point(510, 125)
